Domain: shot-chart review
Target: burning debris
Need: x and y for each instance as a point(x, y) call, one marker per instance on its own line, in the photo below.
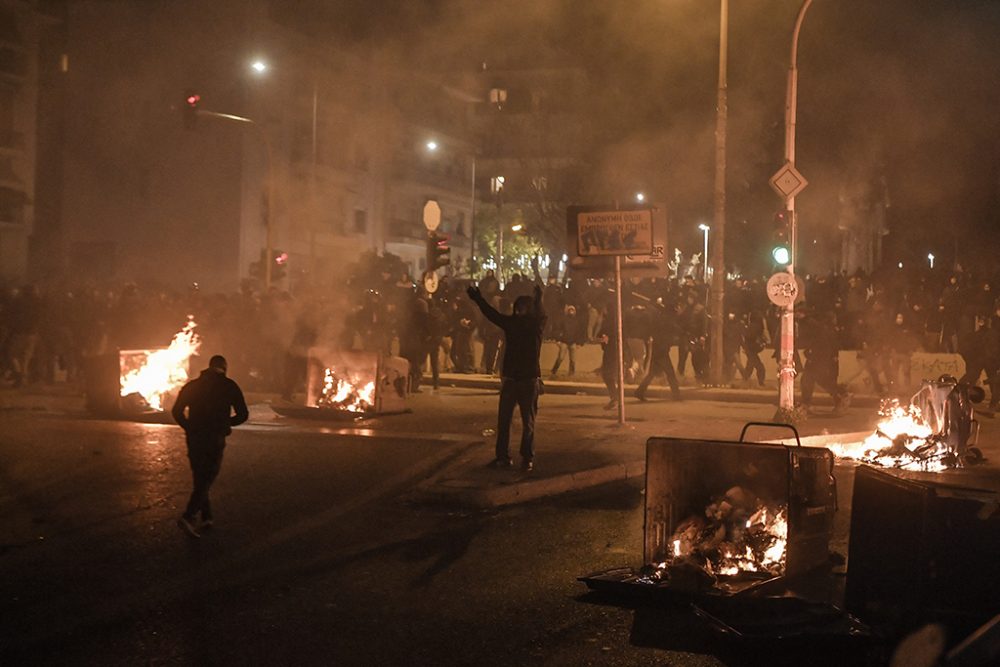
point(931, 434)
point(739, 536)
point(148, 376)
point(346, 393)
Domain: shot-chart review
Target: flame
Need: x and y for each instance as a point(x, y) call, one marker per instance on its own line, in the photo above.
point(341, 394)
point(163, 371)
point(768, 530)
point(900, 431)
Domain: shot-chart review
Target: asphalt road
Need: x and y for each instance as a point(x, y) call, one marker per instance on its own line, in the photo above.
point(318, 556)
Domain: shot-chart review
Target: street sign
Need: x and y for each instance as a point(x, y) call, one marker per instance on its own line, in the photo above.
point(783, 289)
point(432, 215)
point(431, 282)
point(610, 233)
point(788, 182)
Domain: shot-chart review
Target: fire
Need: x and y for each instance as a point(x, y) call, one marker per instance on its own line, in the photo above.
point(902, 439)
point(342, 394)
point(163, 371)
point(768, 532)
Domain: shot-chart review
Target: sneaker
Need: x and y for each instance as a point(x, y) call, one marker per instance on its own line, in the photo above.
point(500, 463)
point(184, 524)
point(527, 465)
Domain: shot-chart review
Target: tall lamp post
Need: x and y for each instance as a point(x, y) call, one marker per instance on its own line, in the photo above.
point(717, 290)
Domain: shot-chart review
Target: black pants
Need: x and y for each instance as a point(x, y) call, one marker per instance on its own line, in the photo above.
point(524, 394)
point(205, 455)
point(754, 364)
point(824, 374)
point(659, 363)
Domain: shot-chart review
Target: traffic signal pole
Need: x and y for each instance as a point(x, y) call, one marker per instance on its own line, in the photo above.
point(786, 370)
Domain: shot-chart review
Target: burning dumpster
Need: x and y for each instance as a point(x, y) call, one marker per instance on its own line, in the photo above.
point(724, 517)
point(348, 385)
point(141, 383)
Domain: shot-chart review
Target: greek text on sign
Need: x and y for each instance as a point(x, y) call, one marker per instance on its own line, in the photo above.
point(615, 233)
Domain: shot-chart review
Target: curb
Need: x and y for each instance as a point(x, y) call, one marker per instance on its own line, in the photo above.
point(526, 489)
point(691, 393)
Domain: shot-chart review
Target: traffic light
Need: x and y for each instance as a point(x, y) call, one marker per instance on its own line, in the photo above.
point(781, 239)
point(279, 264)
point(189, 109)
point(438, 251)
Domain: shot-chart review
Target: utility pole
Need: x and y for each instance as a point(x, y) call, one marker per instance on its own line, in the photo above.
point(786, 365)
point(717, 289)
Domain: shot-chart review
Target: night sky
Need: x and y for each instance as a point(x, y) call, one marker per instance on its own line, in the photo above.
point(896, 98)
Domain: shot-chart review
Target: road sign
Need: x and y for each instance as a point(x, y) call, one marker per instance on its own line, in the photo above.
point(787, 181)
point(783, 289)
point(609, 233)
point(432, 215)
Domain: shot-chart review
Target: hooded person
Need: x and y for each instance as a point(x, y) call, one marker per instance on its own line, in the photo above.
point(207, 408)
point(520, 373)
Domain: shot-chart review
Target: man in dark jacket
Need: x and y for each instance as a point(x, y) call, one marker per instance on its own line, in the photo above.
point(520, 373)
point(210, 401)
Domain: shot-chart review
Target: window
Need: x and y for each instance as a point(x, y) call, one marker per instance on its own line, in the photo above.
point(496, 184)
point(360, 221)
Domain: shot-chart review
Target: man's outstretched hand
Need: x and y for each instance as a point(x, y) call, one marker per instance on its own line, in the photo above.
point(474, 293)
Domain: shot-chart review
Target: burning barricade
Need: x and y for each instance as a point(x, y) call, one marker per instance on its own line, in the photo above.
point(725, 517)
point(935, 432)
point(349, 385)
point(141, 382)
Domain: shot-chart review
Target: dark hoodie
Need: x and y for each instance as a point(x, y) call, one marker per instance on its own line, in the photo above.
point(210, 400)
point(522, 337)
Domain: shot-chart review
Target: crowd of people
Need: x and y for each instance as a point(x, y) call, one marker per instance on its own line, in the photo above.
point(46, 335)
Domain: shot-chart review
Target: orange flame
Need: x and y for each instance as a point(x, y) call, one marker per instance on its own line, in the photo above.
point(899, 426)
point(163, 371)
point(341, 394)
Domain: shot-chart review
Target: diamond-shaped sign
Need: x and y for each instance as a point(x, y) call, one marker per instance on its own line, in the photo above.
point(787, 181)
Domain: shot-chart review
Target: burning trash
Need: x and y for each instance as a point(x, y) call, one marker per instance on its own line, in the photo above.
point(148, 377)
point(724, 517)
point(931, 434)
point(348, 385)
point(737, 536)
point(343, 392)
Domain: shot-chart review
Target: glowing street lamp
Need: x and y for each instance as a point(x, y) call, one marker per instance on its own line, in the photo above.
point(640, 197)
point(516, 227)
point(432, 145)
point(258, 66)
point(930, 259)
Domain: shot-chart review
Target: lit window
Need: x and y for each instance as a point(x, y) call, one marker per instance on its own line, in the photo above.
point(496, 184)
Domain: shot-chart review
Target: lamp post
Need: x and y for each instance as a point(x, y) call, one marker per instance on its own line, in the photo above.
point(704, 257)
point(717, 292)
point(261, 67)
point(786, 366)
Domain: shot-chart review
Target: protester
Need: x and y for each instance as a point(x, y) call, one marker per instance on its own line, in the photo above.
point(521, 374)
point(207, 408)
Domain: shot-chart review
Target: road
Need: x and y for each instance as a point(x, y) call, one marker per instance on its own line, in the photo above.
point(320, 555)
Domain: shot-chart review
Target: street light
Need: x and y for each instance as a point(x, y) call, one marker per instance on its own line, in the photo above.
point(704, 257)
point(259, 66)
point(930, 259)
point(432, 145)
point(640, 197)
point(516, 227)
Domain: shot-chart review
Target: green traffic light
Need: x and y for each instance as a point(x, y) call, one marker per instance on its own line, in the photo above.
point(781, 254)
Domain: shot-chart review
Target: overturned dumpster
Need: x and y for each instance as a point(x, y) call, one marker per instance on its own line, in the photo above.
point(347, 385)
